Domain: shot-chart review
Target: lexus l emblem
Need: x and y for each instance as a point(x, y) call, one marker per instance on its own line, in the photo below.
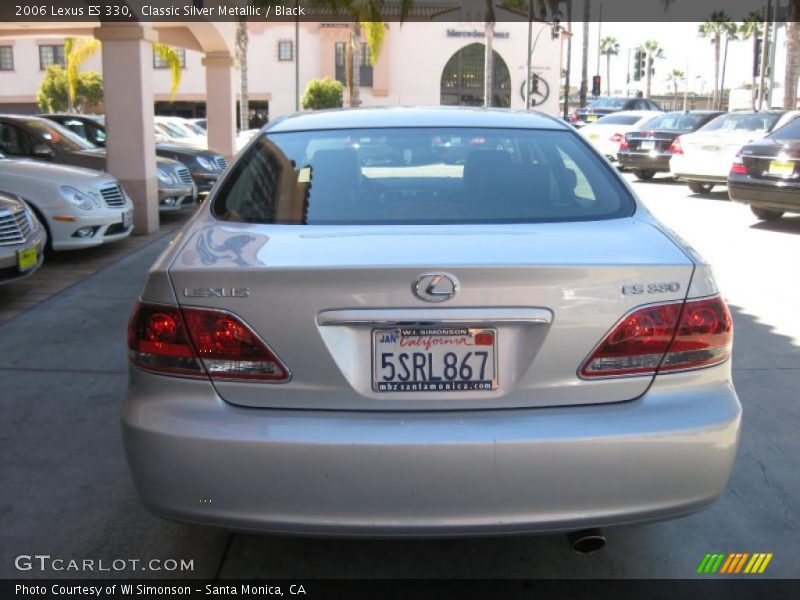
point(435, 287)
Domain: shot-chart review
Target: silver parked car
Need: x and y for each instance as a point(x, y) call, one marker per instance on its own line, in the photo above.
point(361, 333)
point(22, 239)
point(79, 207)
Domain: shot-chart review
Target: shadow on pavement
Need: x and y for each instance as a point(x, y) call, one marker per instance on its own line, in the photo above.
point(783, 225)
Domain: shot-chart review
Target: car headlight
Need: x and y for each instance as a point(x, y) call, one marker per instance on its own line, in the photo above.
point(206, 164)
point(80, 199)
point(164, 177)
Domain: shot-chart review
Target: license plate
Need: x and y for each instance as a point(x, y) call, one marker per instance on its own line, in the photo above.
point(591, 118)
point(27, 258)
point(648, 145)
point(127, 219)
point(434, 359)
point(711, 148)
point(594, 136)
point(783, 168)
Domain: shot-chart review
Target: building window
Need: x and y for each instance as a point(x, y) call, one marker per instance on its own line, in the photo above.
point(285, 50)
point(160, 63)
point(365, 68)
point(6, 58)
point(51, 55)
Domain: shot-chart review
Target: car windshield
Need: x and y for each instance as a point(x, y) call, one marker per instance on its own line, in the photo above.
point(742, 122)
point(59, 136)
point(790, 131)
point(171, 130)
point(619, 120)
point(608, 103)
point(677, 121)
point(420, 176)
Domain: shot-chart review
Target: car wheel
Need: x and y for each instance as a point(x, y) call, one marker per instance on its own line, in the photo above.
point(699, 187)
point(644, 174)
point(766, 214)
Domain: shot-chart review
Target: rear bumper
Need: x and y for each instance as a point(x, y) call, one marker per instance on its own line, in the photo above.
point(195, 458)
point(760, 195)
point(644, 161)
point(691, 169)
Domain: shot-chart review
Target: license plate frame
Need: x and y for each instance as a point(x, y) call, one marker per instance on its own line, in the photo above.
point(781, 168)
point(27, 259)
point(463, 342)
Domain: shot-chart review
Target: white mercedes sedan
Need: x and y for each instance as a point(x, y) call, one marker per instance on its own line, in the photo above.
point(704, 158)
point(428, 322)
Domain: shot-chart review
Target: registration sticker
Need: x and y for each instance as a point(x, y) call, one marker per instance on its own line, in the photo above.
point(434, 359)
point(27, 258)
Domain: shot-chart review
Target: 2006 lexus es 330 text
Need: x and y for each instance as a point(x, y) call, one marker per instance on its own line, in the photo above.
point(427, 322)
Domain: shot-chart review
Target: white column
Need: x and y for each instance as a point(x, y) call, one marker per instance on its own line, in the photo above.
point(221, 102)
point(128, 85)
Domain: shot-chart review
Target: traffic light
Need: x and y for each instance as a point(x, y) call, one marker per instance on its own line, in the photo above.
point(639, 65)
point(596, 85)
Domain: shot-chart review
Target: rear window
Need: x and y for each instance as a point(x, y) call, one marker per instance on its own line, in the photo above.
point(619, 119)
point(677, 122)
point(790, 131)
point(420, 176)
point(742, 122)
point(608, 103)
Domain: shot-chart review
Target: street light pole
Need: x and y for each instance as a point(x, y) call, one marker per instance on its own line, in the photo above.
point(528, 72)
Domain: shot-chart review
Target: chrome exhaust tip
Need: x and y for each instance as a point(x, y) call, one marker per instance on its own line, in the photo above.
point(586, 541)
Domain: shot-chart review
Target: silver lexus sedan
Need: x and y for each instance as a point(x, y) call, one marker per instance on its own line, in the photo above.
point(428, 322)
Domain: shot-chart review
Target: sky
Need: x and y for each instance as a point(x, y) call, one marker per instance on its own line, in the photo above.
point(683, 49)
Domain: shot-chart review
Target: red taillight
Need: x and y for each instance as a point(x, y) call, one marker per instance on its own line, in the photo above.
point(664, 337)
point(624, 144)
point(617, 137)
point(738, 168)
point(574, 117)
point(675, 147)
point(199, 342)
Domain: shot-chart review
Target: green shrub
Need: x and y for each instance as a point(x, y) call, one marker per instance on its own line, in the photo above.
point(323, 93)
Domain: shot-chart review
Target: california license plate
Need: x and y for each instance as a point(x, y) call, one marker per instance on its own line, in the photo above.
point(27, 258)
point(127, 219)
point(782, 168)
point(648, 145)
point(434, 359)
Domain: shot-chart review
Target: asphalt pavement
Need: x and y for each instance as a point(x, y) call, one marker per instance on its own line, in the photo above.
point(67, 492)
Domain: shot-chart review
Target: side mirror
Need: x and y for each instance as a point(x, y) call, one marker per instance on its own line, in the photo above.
point(43, 151)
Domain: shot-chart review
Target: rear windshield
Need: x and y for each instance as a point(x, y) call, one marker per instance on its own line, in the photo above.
point(619, 119)
point(743, 122)
point(608, 103)
point(677, 122)
point(790, 131)
point(420, 176)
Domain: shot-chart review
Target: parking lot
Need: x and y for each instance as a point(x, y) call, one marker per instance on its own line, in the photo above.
point(67, 491)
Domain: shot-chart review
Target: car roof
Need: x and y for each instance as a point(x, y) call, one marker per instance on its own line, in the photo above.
point(450, 116)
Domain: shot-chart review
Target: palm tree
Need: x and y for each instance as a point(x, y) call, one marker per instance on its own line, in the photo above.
point(718, 24)
point(792, 71)
point(654, 51)
point(609, 46)
point(587, 10)
point(675, 77)
point(749, 29)
point(242, 41)
point(78, 50)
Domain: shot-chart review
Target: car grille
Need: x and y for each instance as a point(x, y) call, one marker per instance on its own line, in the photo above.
point(220, 162)
point(184, 175)
point(15, 227)
point(113, 196)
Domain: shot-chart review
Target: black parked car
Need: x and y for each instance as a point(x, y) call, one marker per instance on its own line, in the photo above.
point(611, 104)
point(766, 176)
point(648, 151)
point(205, 166)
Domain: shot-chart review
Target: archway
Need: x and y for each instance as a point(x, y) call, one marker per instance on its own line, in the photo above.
point(463, 78)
